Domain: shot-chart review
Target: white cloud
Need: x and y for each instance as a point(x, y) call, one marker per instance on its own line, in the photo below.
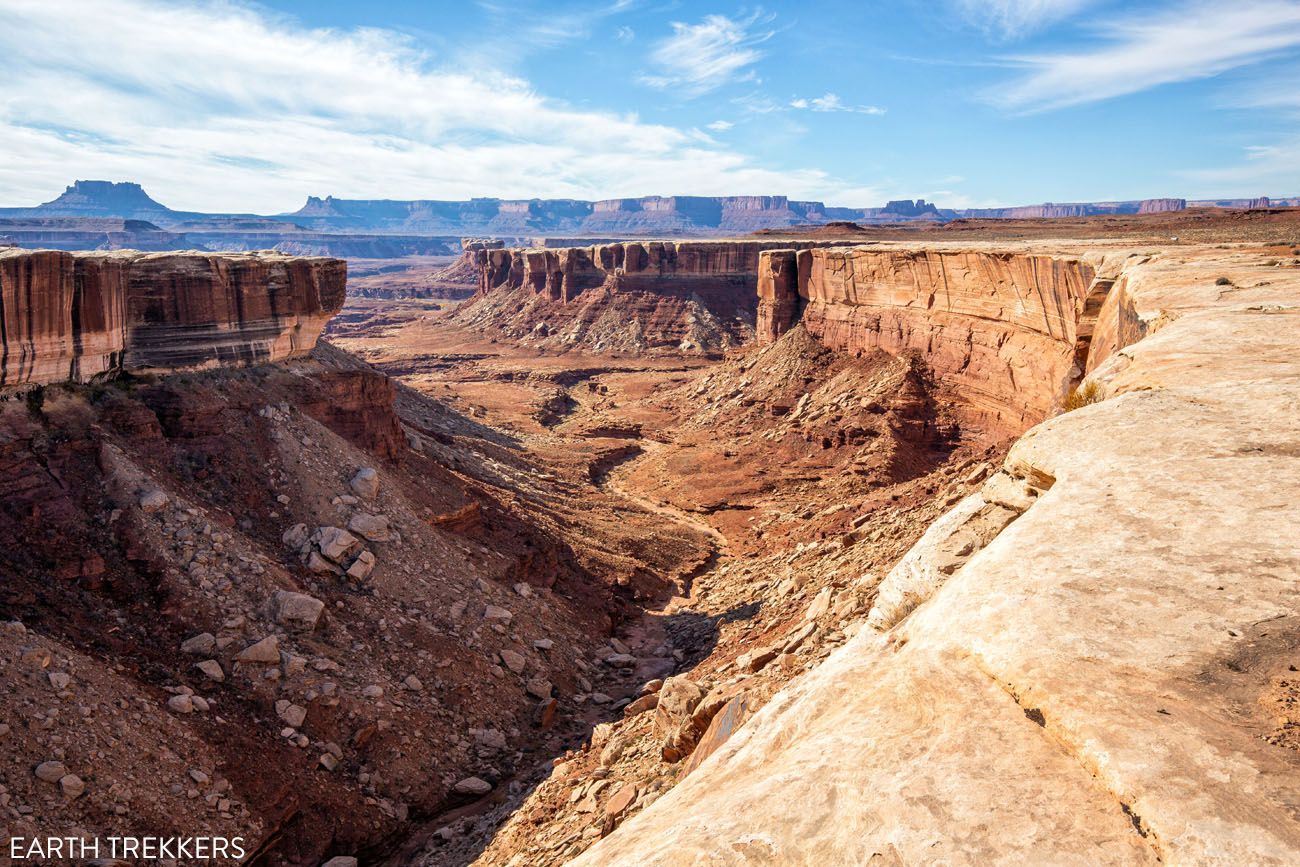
point(1012, 19)
point(1181, 43)
point(702, 57)
point(1265, 170)
point(829, 102)
point(223, 107)
point(625, 34)
point(720, 125)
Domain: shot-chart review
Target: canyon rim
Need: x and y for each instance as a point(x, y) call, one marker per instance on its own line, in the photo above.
point(664, 436)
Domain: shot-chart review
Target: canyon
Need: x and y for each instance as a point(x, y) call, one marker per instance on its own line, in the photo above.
point(962, 545)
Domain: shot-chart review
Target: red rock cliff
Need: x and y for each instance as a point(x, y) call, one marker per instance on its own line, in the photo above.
point(1002, 331)
point(75, 316)
point(628, 297)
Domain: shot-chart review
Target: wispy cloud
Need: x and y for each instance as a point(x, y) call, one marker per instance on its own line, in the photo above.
point(625, 34)
point(1013, 19)
point(829, 102)
point(1264, 170)
point(698, 58)
point(720, 125)
point(1140, 51)
point(252, 112)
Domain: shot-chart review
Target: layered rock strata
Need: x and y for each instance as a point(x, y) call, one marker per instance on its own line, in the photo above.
point(76, 316)
point(632, 296)
point(666, 266)
point(1085, 662)
point(1000, 329)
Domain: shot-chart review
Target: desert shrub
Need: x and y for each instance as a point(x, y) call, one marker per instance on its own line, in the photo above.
point(1084, 395)
point(1222, 281)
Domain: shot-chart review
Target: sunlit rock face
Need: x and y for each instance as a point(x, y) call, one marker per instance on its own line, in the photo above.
point(997, 328)
point(76, 316)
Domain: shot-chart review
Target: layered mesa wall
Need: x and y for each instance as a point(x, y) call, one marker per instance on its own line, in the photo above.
point(1006, 333)
point(630, 296)
point(669, 267)
point(76, 316)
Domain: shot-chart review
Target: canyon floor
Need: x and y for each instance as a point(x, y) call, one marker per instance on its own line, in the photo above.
point(801, 512)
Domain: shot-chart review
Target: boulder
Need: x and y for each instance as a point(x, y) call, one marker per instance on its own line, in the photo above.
point(362, 566)
point(153, 501)
point(372, 527)
point(211, 669)
point(199, 645)
point(513, 661)
point(51, 771)
point(365, 483)
point(337, 544)
point(295, 537)
point(296, 610)
point(264, 652)
point(472, 786)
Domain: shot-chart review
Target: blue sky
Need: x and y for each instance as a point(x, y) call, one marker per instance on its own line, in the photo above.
point(241, 106)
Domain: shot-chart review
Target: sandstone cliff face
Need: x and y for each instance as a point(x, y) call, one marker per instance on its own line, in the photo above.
point(631, 296)
point(75, 316)
point(998, 329)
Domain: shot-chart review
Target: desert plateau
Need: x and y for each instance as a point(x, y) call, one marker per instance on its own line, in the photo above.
point(627, 456)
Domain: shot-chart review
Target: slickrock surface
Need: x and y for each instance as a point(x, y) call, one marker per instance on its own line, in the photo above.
point(636, 297)
point(71, 317)
point(1102, 681)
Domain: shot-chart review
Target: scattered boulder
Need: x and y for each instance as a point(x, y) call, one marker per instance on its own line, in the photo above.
point(620, 801)
point(513, 661)
point(153, 501)
point(472, 786)
point(362, 566)
point(756, 659)
point(612, 751)
point(365, 483)
point(296, 610)
point(820, 605)
point(641, 705)
point(199, 645)
point(72, 786)
point(337, 544)
point(293, 715)
point(539, 688)
point(265, 652)
point(496, 612)
point(372, 527)
point(795, 641)
point(181, 703)
point(211, 669)
point(318, 564)
point(296, 536)
point(51, 771)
